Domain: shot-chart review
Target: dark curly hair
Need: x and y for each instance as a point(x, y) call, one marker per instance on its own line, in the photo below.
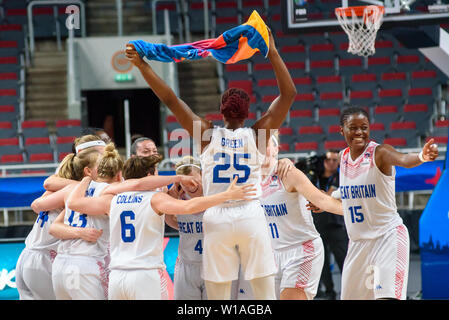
point(235, 104)
point(350, 111)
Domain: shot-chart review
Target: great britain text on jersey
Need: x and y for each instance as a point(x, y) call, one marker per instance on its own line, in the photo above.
point(358, 191)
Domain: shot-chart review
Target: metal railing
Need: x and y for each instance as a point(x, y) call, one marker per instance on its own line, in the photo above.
point(119, 7)
point(154, 17)
point(22, 91)
point(55, 3)
point(5, 168)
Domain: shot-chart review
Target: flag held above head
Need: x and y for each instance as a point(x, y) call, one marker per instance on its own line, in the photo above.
point(234, 45)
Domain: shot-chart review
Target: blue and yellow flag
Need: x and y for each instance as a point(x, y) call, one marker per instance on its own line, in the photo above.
point(234, 45)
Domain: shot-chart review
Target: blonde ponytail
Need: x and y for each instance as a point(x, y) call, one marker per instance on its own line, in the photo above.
point(111, 162)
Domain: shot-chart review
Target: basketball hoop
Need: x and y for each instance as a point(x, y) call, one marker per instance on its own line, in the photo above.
point(361, 24)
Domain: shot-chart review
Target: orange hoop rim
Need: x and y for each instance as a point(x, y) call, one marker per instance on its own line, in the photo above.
point(358, 10)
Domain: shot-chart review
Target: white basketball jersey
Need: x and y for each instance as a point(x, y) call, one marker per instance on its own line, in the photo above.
point(368, 196)
point(231, 153)
point(137, 232)
point(190, 228)
point(98, 249)
point(39, 237)
point(289, 221)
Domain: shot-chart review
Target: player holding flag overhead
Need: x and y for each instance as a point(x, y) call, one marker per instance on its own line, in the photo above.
point(228, 152)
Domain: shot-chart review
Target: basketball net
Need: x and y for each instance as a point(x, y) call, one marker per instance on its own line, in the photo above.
point(361, 25)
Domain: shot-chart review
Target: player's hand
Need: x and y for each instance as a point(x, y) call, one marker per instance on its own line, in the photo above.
point(284, 166)
point(189, 183)
point(430, 151)
point(271, 44)
point(310, 206)
point(133, 56)
point(175, 191)
point(86, 179)
point(90, 234)
point(244, 192)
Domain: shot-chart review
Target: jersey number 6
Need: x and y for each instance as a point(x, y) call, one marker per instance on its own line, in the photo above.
point(128, 230)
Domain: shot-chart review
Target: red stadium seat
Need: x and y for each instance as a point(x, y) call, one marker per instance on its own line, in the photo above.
point(62, 140)
point(306, 146)
point(5, 125)
point(41, 157)
point(11, 158)
point(246, 85)
point(301, 117)
point(396, 142)
point(311, 130)
point(338, 144)
point(439, 139)
point(284, 147)
point(406, 125)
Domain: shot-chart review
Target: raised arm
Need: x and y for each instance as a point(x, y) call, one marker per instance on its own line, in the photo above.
point(148, 183)
point(387, 156)
point(60, 230)
point(179, 108)
point(78, 201)
point(278, 110)
point(296, 181)
point(163, 203)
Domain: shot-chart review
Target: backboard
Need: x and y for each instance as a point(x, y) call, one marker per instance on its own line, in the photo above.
point(307, 16)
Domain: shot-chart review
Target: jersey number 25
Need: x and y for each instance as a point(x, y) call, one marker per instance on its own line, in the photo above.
point(227, 164)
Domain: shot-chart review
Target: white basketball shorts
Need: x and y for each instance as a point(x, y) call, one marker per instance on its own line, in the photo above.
point(144, 284)
point(188, 283)
point(244, 226)
point(298, 267)
point(33, 275)
point(77, 277)
point(377, 268)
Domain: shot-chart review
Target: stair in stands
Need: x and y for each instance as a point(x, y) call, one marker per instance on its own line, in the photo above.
point(102, 18)
point(198, 85)
point(46, 89)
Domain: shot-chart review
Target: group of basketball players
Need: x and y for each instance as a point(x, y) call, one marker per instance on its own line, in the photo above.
point(243, 217)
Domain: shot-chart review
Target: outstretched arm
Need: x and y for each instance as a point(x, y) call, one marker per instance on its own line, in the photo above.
point(180, 109)
point(298, 181)
point(387, 156)
point(148, 183)
point(78, 201)
point(163, 203)
point(278, 110)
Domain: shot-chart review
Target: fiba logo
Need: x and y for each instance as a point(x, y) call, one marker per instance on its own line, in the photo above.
point(120, 63)
point(73, 20)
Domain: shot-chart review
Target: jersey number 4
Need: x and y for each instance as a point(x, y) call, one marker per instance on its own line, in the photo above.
point(199, 247)
point(227, 164)
point(128, 230)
